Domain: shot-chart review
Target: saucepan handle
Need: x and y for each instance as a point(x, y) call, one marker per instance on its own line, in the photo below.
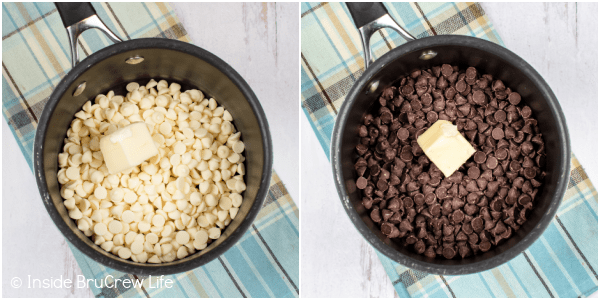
point(370, 17)
point(77, 18)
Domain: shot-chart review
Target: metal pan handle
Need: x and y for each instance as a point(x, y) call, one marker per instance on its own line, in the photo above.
point(77, 18)
point(370, 17)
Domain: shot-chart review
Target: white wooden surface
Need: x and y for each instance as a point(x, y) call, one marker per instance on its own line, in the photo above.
point(559, 40)
point(260, 41)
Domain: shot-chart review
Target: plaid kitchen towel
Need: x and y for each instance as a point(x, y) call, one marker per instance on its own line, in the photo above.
point(35, 56)
point(562, 263)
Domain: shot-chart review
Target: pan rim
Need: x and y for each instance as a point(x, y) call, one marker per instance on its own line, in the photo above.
point(422, 44)
point(168, 44)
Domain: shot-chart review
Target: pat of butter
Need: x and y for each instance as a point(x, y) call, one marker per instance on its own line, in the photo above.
point(127, 147)
point(445, 146)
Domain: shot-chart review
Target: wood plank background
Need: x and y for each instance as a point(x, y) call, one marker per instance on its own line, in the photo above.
point(259, 40)
point(560, 40)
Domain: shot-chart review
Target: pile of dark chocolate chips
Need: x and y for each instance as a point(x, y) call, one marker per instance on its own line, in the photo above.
point(481, 204)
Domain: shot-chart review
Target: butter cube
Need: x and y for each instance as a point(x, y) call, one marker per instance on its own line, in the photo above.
point(445, 146)
point(127, 147)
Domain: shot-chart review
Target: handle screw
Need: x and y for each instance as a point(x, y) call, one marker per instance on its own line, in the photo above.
point(428, 54)
point(80, 88)
point(135, 60)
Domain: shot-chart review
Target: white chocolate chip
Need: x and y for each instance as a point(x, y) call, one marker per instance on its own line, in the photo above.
point(100, 229)
point(137, 247)
point(124, 253)
point(115, 226)
point(214, 233)
point(158, 220)
point(174, 203)
point(182, 252)
point(154, 259)
point(182, 237)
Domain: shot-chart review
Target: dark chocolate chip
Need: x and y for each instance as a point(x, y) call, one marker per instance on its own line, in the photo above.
point(407, 90)
point(449, 253)
point(458, 216)
point(512, 196)
point(432, 117)
point(477, 224)
point(498, 85)
point(426, 99)
point(382, 184)
point(514, 98)
point(470, 125)
point(515, 166)
point(362, 131)
point(439, 105)
point(496, 205)
point(405, 226)
point(507, 233)
point(450, 93)
point(471, 73)
point(386, 214)
point(396, 218)
point(411, 239)
point(485, 246)
point(430, 198)
point(526, 147)
point(447, 70)
point(406, 156)
point(476, 205)
point(367, 202)
point(529, 173)
point(375, 215)
point(403, 134)
point(420, 247)
point(361, 171)
point(461, 86)
point(430, 252)
point(498, 133)
point(390, 230)
point(442, 83)
point(491, 162)
point(472, 186)
point(501, 154)
point(408, 202)
point(462, 237)
point(435, 210)
point(473, 172)
point(524, 200)
point(394, 205)
point(361, 183)
point(419, 199)
point(500, 116)
point(479, 157)
point(479, 97)
point(416, 104)
point(467, 228)
point(526, 112)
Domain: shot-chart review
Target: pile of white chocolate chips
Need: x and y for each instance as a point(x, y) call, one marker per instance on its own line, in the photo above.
point(173, 204)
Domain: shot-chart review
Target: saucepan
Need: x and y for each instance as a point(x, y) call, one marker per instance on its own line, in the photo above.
point(423, 53)
point(141, 60)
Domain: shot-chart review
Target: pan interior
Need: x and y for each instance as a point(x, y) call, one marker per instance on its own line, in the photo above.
point(172, 65)
point(517, 76)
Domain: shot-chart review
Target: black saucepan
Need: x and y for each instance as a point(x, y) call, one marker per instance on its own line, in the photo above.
point(462, 51)
point(141, 60)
